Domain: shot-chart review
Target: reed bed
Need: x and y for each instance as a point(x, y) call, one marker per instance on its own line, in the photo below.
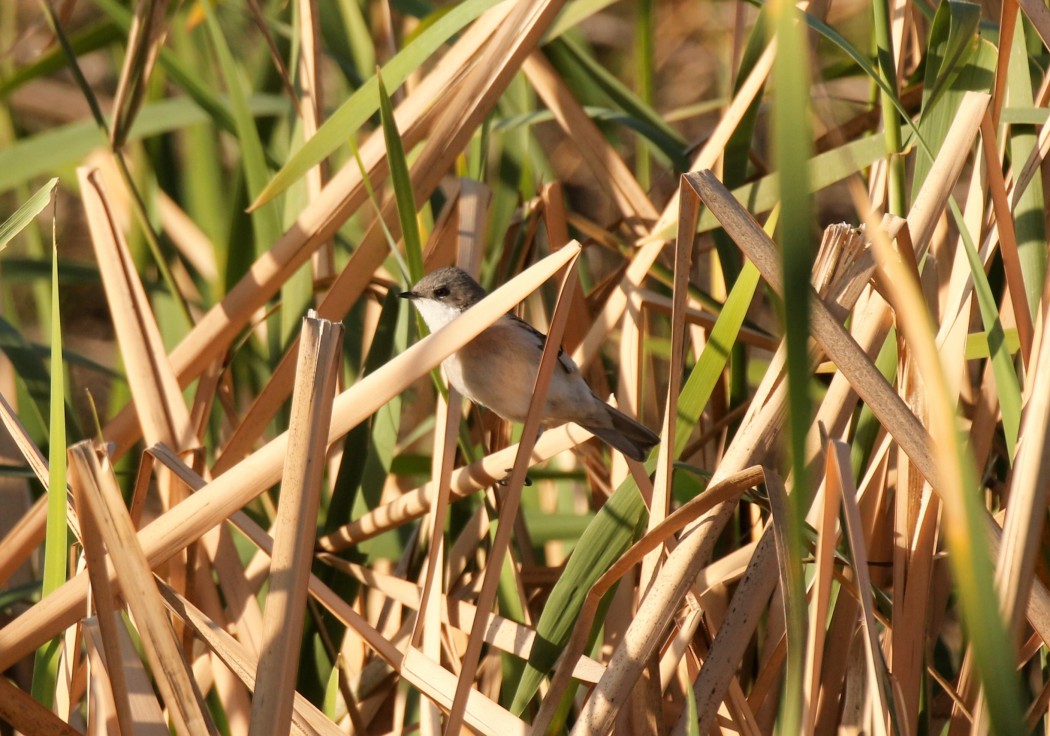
point(807, 245)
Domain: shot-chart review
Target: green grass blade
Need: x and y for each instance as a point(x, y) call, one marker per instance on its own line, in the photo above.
point(56, 544)
point(363, 103)
point(266, 223)
point(1029, 222)
point(792, 150)
point(590, 74)
point(28, 366)
point(26, 213)
point(1008, 388)
point(977, 344)
point(891, 125)
point(401, 180)
point(957, 62)
point(54, 151)
point(178, 72)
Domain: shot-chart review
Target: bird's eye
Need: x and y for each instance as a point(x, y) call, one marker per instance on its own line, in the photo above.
point(441, 292)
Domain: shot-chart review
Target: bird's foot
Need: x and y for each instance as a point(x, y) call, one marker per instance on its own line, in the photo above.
point(506, 478)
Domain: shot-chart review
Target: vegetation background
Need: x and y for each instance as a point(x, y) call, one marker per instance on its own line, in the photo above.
point(219, 516)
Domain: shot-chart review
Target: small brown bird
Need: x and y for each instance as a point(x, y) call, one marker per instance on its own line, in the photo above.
point(497, 369)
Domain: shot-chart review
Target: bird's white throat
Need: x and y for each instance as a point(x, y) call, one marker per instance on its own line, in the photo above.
point(436, 314)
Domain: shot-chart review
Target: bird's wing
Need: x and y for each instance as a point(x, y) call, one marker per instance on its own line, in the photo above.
point(567, 364)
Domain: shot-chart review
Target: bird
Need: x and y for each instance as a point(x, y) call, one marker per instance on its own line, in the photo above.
point(497, 369)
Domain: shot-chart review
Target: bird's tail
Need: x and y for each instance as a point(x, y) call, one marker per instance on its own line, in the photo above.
point(627, 435)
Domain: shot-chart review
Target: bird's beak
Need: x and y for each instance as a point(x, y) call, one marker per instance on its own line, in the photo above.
point(407, 295)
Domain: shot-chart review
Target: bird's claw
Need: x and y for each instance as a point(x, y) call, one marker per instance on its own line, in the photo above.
point(506, 478)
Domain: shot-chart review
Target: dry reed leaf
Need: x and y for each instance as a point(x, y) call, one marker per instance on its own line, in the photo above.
point(719, 138)
point(479, 713)
point(827, 502)
point(72, 674)
point(608, 168)
point(1007, 238)
point(146, 711)
point(296, 524)
point(145, 39)
point(697, 316)
point(614, 307)
point(220, 557)
point(464, 482)
point(99, 700)
point(107, 619)
point(660, 496)
point(736, 631)
point(1039, 16)
point(1007, 24)
point(24, 538)
point(311, 106)
point(507, 635)
point(306, 717)
point(556, 225)
point(98, 491)
point(839, 472)
point(688, 216)
point(22, 712)
point(158, 399)
point(426, 634)
point(473, 212)
point(932, 198)
point(720, 491)
point(187, 237)
point(1028, 495)
point(908, 631)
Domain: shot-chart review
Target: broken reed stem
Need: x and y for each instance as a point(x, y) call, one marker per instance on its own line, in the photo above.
point(97, 490)
point(296, 525)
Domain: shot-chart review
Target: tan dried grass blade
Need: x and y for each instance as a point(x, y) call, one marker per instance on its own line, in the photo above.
point(98, 491)
point(20, 710)
point(305, 715)
point(689, 214)
point(839, 472)
point(480, 713)
point(1028, 494)
point(829, 498)
point(158, 399)
point(464, 482)
point(145, 39)
point(609, 170)
point(1007, 239)
point(751, 597)
point(107, 618)
point(500, 632)
point(296, 525)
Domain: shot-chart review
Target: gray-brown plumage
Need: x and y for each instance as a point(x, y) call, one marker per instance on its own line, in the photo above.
point(497, 369)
